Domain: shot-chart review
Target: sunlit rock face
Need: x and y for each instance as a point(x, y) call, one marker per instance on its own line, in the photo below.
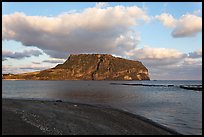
point(90, 67)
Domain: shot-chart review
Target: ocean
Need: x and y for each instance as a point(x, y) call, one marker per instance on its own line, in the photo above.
point(162, 101)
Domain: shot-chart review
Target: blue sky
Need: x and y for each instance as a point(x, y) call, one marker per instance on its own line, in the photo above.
point(127, 29)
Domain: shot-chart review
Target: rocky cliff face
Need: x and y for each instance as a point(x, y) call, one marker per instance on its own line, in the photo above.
point(90, 67)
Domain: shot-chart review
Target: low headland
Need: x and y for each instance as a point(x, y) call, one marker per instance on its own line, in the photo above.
point(88, 67)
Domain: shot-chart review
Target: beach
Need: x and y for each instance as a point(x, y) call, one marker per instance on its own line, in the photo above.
point(41, 117)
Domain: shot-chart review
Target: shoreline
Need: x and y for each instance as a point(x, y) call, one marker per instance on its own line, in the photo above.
point(67, 118)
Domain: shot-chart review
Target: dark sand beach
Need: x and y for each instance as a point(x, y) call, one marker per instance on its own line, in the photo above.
point(35, 117)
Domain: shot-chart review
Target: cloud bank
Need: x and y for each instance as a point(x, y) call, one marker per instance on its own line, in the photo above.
point(157, 57)
point(19, 55)
point(169, 63)
point(23, 69)
point(55, 61)
point(99, 30)
point(196, 54)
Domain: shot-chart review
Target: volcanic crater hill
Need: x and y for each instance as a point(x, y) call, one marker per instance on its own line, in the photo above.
point(89, 67)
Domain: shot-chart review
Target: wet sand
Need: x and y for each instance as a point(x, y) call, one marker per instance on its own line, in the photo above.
point(35, 117)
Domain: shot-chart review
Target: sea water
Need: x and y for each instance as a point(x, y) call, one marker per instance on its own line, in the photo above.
point(170, 106)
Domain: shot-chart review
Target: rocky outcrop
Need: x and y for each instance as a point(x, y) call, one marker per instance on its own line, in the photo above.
point(90, 67)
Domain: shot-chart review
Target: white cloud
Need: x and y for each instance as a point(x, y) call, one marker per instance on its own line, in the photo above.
point(167, 20)
point(93, 30)
point(187, 25)
point(126, 42)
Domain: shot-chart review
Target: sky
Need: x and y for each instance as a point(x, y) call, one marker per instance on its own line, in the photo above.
point(165, 36)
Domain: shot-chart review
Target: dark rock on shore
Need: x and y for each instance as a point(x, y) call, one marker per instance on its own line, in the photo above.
point(90, 67)
point(192, 87)
point(58, 100)
point(188, 87)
